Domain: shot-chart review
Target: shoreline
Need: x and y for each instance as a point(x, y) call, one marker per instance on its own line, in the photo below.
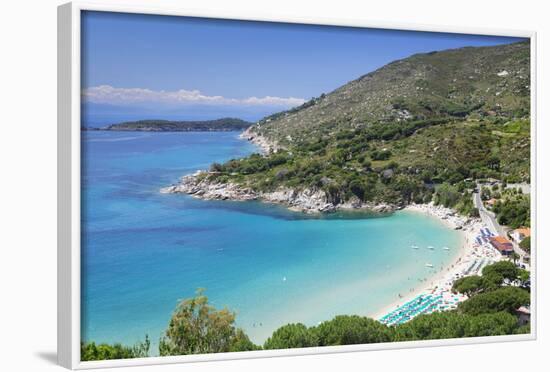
point(309, 201)
point(262, 142)
point(468, 252)
point(469, 255)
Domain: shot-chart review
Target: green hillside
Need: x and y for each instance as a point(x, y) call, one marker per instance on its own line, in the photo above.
point(393, 135)
point(458, 83)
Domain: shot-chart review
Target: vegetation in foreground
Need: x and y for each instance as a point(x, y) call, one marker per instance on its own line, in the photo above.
point(196, 327)
point(91, 351)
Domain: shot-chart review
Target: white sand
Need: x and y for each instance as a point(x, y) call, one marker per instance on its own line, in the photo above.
point(441, 282)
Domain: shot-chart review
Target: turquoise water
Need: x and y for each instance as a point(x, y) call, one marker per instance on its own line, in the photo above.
point(142, 251)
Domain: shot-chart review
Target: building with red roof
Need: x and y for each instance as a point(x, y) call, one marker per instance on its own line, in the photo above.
point(503, 245)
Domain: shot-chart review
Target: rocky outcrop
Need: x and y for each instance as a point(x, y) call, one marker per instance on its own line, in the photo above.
point(200, 187)
point(306, 200)
point(262, 142)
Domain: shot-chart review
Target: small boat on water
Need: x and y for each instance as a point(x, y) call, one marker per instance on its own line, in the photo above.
point(446, 248)
point(429, 265)
point(414, 246)
point(431, 247)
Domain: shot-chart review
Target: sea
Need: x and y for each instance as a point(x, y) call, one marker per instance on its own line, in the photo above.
point(143, 251)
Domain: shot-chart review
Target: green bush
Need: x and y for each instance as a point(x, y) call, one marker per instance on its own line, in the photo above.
point(447, 324)
point(241, 342)
point(291, 336)
point(502, 271)
point(351, 329)
point(502, 299)
point(91, 351)
point(497, 324)
point(526, 244)
point(380, 154)
point(469, 285)
point(514, 212)
point(196, 327)
point(447, 195)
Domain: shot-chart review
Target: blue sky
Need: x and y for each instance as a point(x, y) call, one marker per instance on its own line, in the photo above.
point(144, 66)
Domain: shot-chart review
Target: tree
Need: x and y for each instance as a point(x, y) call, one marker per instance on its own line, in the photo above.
point(526, 244)
point(447, 195)
point(448, 324)
point(466, 206)
point(501, 271)
point(524, 329)
point(333, 193)
point(515, 257)
point(407, 187)
point(241, 342)
point(514, 212)
point(290, 336)
point(349, 330)
point(469, 285)
point(493, 277)
point(524, 277)
point(503, 299)
point(357, 188)
point(493, 163)
point(501, 323)
point(197, 328)
point(91, 351)
point(451, 324)
point(485, 193)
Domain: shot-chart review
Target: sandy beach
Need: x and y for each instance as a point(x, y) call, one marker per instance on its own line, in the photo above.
point(469, 254)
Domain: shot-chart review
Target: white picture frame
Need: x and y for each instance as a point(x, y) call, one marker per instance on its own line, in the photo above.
point(69, 173)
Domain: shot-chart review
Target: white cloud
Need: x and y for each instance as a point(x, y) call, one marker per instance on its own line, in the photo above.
point(107, 94)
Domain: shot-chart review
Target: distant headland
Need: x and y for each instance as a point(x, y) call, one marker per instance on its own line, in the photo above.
point(218, 125)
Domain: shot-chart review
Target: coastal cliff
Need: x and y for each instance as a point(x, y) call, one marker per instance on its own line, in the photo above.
point(262, 142)
point(306, 200)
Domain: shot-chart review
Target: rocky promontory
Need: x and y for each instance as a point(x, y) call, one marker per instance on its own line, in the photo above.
point(306, 200)
point(262, 142)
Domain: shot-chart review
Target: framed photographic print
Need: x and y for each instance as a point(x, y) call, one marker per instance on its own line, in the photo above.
point(241, 188)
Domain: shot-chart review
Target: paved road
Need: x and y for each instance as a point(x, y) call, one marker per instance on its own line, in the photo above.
point(490, 221)
point(488, 217)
